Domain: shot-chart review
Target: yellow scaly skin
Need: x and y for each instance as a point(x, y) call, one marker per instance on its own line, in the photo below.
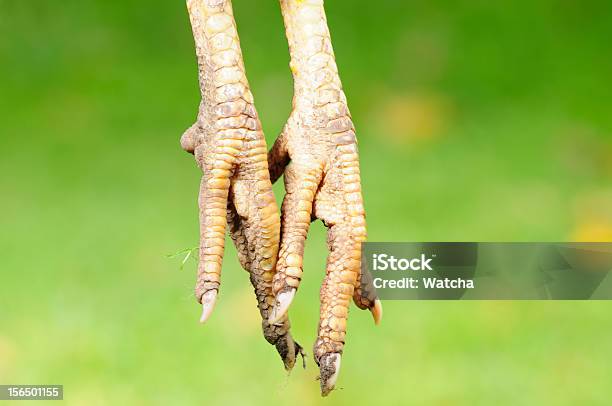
point(317, 151)
point(230, 149)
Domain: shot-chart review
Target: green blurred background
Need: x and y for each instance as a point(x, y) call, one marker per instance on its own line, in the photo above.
point(477, 120)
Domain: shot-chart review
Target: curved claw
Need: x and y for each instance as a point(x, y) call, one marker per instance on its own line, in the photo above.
point(208, 304)
point(330, 368)
point(283, 301)
point(377, 311)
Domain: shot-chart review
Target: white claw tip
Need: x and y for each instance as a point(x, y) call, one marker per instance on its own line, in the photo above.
point(331, 366)
point(377, 311)
point(283, 301)
point(208, 304)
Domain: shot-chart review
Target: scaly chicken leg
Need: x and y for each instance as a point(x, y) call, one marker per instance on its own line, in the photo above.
point(229, 147)
point(317, 151)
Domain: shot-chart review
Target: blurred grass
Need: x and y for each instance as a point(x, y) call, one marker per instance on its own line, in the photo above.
point(476, 121)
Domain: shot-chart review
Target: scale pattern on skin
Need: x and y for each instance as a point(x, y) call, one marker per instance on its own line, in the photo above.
point(229, 147)
point(318, 152)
